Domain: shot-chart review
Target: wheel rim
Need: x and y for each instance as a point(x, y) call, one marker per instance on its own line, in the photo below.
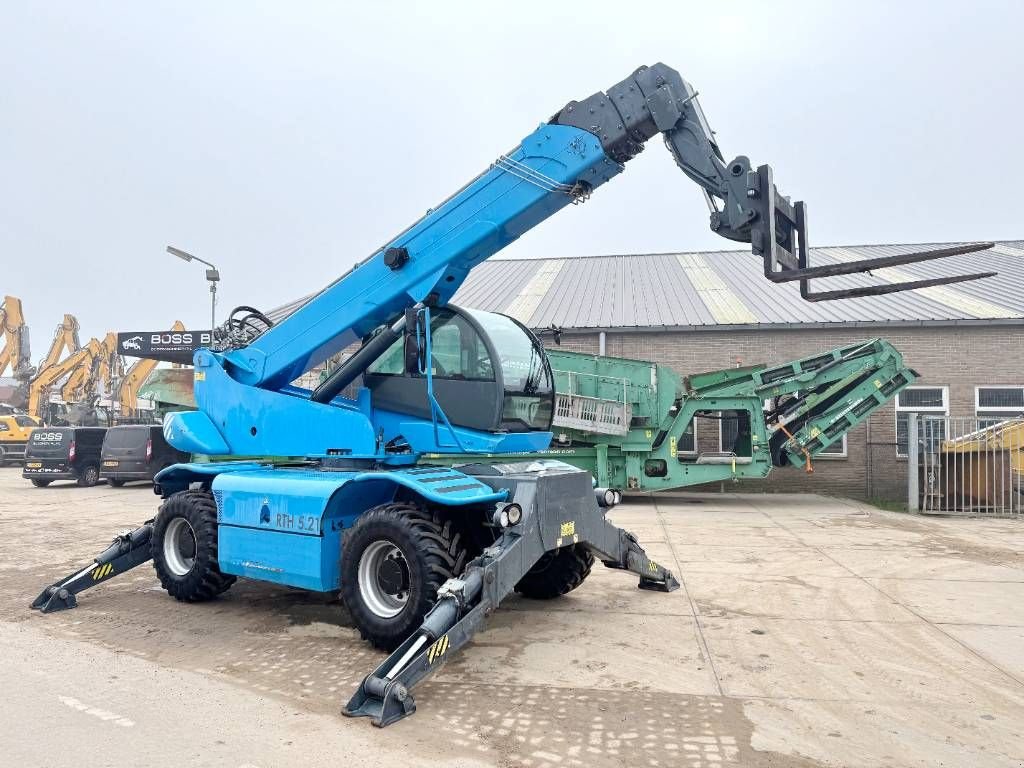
point(384, 579)
point(179, 547)
point(91, 475)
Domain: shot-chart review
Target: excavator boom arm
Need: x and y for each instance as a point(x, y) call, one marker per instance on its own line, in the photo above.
point(65, 338)
point(41, 384)
point(16, 351)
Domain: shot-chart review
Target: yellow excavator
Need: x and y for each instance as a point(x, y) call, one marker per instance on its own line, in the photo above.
point(92, 382)
point(40, 385)
point(93, 375)
point(16, 351)
point(111, 366)
point(128, 391)
point(65, 340)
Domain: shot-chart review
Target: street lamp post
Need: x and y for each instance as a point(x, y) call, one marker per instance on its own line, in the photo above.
point(211, 274)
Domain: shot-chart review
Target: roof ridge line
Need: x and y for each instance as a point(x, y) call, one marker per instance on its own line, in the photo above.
point(950, 243)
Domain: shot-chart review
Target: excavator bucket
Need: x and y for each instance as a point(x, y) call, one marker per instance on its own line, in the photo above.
point(778, 233)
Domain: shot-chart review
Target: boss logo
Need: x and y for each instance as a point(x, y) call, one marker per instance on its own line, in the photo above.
point(48, 437)
point(158, 339)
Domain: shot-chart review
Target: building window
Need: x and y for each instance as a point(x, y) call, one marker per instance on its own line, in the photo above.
point(687, 443)
point(931, 403)
point(998, 403)
point(836, 450)
point(728, 430)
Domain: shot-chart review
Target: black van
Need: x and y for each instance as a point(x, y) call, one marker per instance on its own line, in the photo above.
point(136, 452)
point(63, 453)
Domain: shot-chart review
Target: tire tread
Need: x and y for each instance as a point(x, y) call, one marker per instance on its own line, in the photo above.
point(211, 581)
point(438, 542)
point(557, 573)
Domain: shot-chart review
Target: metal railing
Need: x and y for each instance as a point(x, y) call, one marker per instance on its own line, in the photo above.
point(588, 413)
point(591, 414)
point(965, 465)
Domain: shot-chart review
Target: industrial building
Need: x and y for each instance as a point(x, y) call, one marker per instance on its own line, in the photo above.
point(701, 311)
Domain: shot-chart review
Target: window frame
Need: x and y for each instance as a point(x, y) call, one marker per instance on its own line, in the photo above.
point(925, 409)
point(981, 412)
point(831, 453)
point(691, 451)
point(721, 432)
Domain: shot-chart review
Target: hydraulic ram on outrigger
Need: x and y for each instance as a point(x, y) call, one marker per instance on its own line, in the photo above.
point(549, 517)
point(124, 553)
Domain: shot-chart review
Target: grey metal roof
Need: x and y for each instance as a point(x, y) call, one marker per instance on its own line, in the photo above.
point(726, 289)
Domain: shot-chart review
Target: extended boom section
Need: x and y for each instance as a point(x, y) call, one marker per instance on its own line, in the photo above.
point(553, 514)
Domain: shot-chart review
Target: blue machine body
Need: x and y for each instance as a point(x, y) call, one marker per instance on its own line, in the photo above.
point(284, 524)
point(246, 404)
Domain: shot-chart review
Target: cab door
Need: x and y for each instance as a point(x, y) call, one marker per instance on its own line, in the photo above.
point(465, 380)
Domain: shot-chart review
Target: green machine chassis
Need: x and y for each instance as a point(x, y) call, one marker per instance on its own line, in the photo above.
point(624, 421)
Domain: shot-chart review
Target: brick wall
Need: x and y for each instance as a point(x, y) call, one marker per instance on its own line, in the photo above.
point(958, 357)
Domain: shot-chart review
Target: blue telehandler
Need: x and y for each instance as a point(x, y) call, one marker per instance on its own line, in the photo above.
point(422, 553)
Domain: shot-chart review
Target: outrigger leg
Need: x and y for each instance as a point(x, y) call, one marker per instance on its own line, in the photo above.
point(125, 552)
point(463, 603)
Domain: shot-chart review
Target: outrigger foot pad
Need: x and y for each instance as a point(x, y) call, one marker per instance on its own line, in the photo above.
point(54, 598)
point(668, 585)
point(124, 553)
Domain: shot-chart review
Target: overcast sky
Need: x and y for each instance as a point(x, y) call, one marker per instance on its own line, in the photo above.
point(284, 141)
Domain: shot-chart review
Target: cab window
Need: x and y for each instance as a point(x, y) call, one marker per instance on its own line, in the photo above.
point(392, 362)
point(457, 352)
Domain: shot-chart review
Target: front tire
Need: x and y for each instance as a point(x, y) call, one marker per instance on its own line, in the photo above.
point(393, 560)
point(557, 573)
point(184, 547)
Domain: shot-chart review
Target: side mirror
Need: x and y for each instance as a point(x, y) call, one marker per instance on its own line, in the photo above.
point(413, 349)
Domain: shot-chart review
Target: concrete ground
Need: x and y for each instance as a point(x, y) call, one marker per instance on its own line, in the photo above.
point(809, 631)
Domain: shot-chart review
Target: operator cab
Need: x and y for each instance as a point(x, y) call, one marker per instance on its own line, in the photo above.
point(489, 373)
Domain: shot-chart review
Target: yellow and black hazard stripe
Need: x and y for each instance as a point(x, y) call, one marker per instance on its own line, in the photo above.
point(102, 571)
point(437, 649)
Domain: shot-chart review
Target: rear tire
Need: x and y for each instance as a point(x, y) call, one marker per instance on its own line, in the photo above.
point(89, 477)
point(40, 483)
point(557, 573)
point(184, 547)
point(393, 560)
point(115, 483)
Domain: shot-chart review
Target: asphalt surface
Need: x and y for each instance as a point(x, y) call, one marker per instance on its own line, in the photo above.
point(809, 631)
